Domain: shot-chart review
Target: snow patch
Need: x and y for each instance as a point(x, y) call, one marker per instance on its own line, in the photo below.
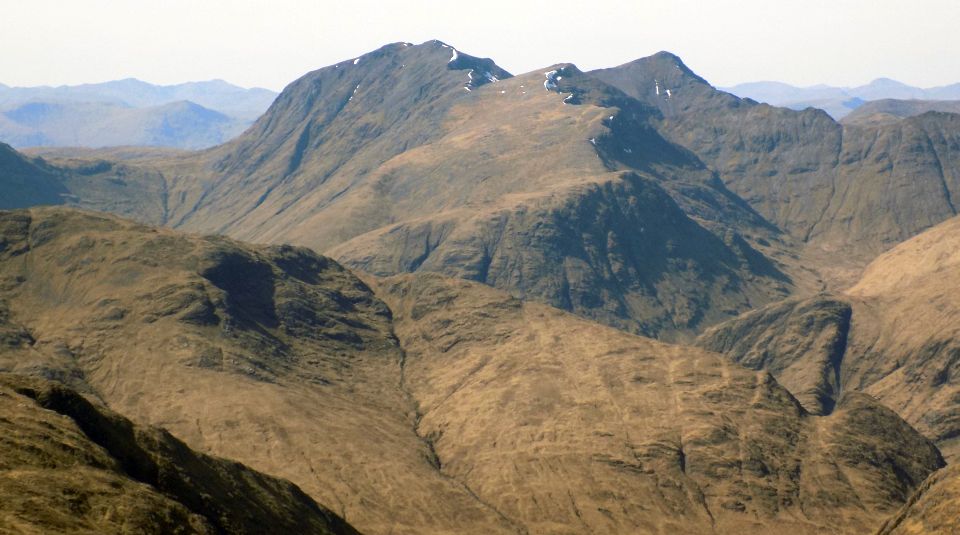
point(570, 96)
point(356, 61)
point(668, 94)
point(656, 87)
point(628, 151)
point(490, 77)
point(453, 57)
point(550, 83)
point(593, 140)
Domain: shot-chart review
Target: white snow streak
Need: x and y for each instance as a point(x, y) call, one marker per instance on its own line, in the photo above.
point(551, 81)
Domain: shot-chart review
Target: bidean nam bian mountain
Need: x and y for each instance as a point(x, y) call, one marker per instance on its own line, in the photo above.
point(422, 294)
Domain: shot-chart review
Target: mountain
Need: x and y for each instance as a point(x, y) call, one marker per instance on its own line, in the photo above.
point(420, 403)
point(71, 466)
point(423, 158)
point(418, 158)
point(28, 182)
point(932, 508)
point(193, 115)
point(525, 397)
point(888, 111)
point(275, 357)
point(838, 101)
point(848, 193)
point(180, 124)
point(892, 335)
point(238, 102)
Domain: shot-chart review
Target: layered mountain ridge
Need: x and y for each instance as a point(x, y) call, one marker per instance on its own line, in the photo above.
point(450, 390)
point(448, 406)
point(853, 190)
point(128, 112)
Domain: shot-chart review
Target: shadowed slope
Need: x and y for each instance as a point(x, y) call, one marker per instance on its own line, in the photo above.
point(81, 469)
point(841, 189)
point(422, 158)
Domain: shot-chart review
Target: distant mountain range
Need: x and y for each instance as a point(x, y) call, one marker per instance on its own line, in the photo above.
point(192, 115)
point(839, 101)
point(888, 110)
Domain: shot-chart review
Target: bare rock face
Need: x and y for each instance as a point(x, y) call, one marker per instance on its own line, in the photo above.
point(565, 426)
point(27, 182)
point(71, 467)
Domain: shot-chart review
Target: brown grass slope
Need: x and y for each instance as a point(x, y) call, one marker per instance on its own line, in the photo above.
point(893, 335)
point(405, 162)
point(932, 508)
point(566, 426)
point(462, 411)
point(411, 159)
point(852, 191)
point(67, 466)
point(276, 357)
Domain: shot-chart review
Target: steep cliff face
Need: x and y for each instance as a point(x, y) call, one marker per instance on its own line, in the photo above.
point(620, 251)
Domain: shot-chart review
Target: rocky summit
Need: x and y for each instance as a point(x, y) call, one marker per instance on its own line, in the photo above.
point(421, 294)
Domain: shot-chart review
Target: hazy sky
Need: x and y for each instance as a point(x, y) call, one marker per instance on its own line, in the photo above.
point(270, 43)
